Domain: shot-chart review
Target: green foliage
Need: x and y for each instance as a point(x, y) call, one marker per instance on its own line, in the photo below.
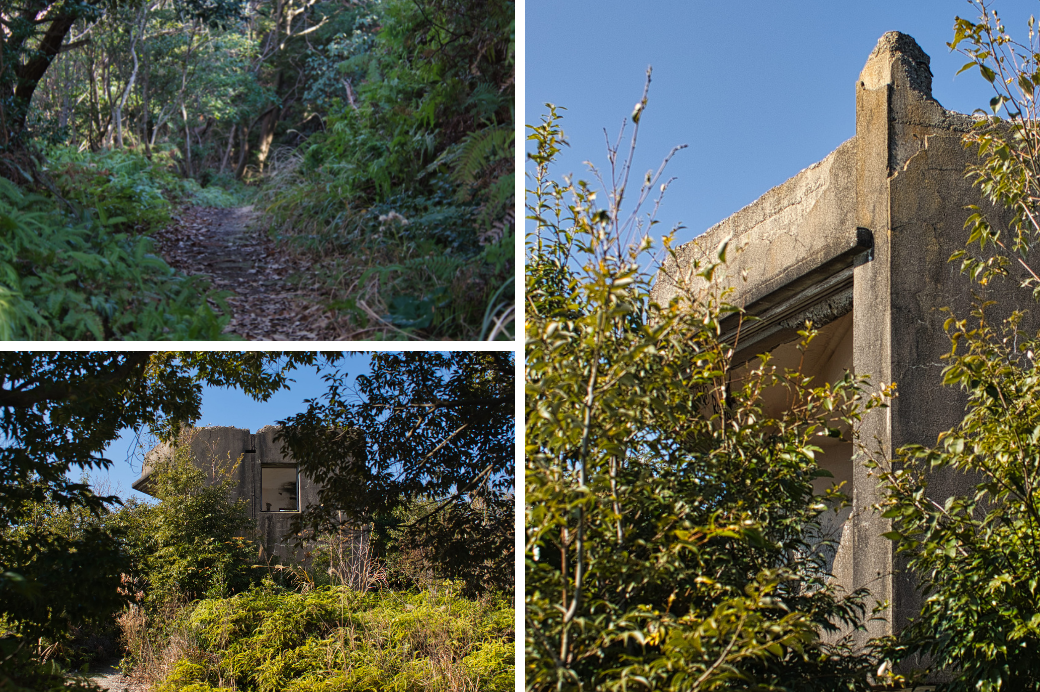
point(65, 560)
point(1006, 145)
point(333, 638)
point(60, 553)
point(218, 194)
point(421, 424)
point(674, 538)
point(424, 447)
point(61, 279)
point(129, 191)
point(398, 110)
point(196, 541)
point(976, 556)
point(470, 543)
point(126, 190)
point(60, 563)
point(414, 180)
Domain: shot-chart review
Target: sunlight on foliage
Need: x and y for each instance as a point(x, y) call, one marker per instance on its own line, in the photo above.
point(674, 538)
point(333, 638)
point(67, 279)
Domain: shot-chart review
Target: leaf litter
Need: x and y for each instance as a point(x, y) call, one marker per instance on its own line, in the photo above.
point(274, 295)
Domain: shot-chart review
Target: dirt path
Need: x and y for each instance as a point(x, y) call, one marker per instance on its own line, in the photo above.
point(266, 305)
point(110, 678)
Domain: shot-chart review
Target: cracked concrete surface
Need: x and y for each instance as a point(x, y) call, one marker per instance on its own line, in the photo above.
point(902, 177)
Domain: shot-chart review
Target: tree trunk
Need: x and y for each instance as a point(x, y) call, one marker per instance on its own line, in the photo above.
point(118, 107)
point(95, 104)
point(18, 84)
point(65, 88)
point(227, 152)
point(28, 76)
point(109, 129)
point(269, 124)
point(188, 173)
point(266, 137)
point(243, 152)
point(145, 105)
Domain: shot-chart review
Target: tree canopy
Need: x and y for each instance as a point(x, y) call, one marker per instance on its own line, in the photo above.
point(427, 425)
point(376, 134)
point(422, 424)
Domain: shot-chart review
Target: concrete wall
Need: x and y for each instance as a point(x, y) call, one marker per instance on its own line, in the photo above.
point(868, 231)
point(215, 448)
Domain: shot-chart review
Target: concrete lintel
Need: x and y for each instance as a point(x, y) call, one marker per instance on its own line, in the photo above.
point(788, 300)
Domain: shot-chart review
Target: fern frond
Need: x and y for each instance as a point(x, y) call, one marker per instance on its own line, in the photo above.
point(481, 149)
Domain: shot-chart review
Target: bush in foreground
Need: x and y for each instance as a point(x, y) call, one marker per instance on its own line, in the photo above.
point(333, 638)
point(66, 279)
point(674, 538)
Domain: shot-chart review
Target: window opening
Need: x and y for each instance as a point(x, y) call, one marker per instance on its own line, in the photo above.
point(280, 489)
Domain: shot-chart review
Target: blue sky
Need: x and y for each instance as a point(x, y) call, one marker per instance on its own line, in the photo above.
point(223, 407)
point(758, 90)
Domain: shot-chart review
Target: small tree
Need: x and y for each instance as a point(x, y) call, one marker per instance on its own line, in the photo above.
point(197, 539)
point(673, 535)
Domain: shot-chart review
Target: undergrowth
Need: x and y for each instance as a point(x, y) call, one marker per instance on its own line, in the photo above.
point(129, 191)
point(330, 638)
point(411, 265)
point(405, 202)
point(68, 276)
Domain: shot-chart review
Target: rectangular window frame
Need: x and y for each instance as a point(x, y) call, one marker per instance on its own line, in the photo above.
point(264, 496)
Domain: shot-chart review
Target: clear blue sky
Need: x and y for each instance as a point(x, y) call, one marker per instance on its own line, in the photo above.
point(224, 407)
point(758, 90)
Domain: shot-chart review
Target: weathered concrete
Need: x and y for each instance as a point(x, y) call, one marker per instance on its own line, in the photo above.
point(860, 243)
point(246, 455)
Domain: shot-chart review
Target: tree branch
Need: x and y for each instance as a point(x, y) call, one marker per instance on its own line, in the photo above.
point(63, 390)
point(30, 74)
point(446, 403)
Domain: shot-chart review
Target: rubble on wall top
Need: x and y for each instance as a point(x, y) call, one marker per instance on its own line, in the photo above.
point(916, 63)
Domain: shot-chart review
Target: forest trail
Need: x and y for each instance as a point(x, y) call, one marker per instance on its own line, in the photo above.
point(224, 245)
point(110, 678)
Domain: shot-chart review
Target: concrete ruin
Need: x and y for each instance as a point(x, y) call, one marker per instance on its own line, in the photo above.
point(270, 482)
point(859, 243)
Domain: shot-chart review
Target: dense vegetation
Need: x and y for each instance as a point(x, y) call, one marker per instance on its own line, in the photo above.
point(376, 137)
point(673, 536)
point(206, 608)
point(674, 539)
point(460, 445)
point(83, 578)
point(335, 638)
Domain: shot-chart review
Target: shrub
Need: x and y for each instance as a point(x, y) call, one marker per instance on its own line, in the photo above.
point(196, 542)
point(126, 190)
point(333, 638)
point(673, 534)
point(64, 279)
point(59, 580)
